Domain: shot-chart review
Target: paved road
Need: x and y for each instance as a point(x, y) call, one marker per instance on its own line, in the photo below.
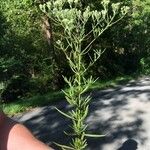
point(122, 113)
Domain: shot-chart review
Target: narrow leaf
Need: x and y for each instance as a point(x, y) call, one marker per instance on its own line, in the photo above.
point(64, 146)
point(64, 114)
point(94, 135)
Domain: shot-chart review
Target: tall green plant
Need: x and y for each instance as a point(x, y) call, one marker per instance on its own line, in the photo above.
point(73, 17)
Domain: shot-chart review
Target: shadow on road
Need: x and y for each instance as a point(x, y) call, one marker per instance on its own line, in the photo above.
point(119, 113)
point(130, 144)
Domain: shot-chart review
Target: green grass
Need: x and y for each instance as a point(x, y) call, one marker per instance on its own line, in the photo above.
point(103, 84)
point(23, 105)
point(42, 100)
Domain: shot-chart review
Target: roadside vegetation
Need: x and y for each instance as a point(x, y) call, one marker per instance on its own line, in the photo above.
point(38, 100)
point(50, 46)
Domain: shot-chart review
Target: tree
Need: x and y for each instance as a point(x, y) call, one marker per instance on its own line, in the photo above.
point(126, 44)
point(21, 42)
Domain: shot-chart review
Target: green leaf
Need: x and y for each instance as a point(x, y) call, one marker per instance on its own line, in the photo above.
point(70, 134)
point(64, 146)
point(94, 135)
point(64, 114)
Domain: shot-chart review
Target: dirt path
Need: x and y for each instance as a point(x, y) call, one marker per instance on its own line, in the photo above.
point(122, 113)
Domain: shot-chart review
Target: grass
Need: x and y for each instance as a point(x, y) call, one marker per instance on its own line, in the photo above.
point(27, 104)
point(103, 84)
point(24, 105)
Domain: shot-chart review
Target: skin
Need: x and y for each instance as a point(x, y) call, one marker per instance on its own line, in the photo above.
point(14, 136)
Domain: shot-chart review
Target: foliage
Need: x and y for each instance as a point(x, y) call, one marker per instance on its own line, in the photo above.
point(72, 17)
point(23, 48)
point(16, 87)
point(126, 44)
point(141, 21)
point(145, 65)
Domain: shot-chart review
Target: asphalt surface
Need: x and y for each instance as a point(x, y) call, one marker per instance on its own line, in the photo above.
point(122, 113)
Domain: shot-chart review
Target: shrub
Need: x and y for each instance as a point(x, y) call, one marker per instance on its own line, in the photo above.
point(145, 65)
point(17, 87)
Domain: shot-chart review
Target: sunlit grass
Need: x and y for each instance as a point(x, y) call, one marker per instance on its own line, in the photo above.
point(23, 105)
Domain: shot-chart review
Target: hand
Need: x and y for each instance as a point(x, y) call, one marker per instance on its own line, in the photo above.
point(15, 136)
